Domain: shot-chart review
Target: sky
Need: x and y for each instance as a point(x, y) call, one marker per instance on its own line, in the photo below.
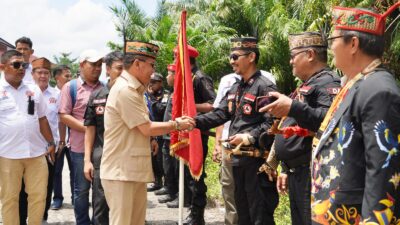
point(56, 26)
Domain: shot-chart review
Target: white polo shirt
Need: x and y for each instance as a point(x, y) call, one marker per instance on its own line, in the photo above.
point(52, 98)
point(20, 135)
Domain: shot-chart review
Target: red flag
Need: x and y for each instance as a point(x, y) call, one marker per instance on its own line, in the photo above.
point(185, 145)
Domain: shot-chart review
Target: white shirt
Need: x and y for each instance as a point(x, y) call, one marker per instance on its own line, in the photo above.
point(225, 85)
point(20, 135)
point(52, 98)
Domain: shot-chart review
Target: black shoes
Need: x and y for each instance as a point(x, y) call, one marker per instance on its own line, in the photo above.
point(195, 217)
point(162, 191)
point(175, 203)
point(166, 198)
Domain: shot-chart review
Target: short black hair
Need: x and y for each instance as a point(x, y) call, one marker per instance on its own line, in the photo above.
point(370, 44)
point(8, 55)
point(112, 57)
point(59, 69)
point(24, 40)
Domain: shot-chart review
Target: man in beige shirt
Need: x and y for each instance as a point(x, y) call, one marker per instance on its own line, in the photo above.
point(126, 164)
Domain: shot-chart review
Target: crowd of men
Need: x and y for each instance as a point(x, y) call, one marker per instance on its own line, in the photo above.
point(336, 139)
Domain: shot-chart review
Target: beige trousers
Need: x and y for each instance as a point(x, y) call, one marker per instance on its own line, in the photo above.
point(35, 173)
point(228, 190)
point(127, 201)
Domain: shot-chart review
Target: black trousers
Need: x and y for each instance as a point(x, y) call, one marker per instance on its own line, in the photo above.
point(157, 161)
point(23, 197)
point(256, 197)
point(300, 195)
point(171, 170)
point(198, 188)
point(99, 203)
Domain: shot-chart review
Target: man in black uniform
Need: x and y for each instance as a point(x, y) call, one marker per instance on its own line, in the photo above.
point(204, 96)
point(170, 164)
point(301, 115)
point(256, 197)
point(158, 98)
point(94, 137)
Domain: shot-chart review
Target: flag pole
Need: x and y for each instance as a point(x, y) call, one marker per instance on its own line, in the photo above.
point(181, 191)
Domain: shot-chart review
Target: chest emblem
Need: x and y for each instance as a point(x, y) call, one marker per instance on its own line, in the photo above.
point(345, 135)
point(387, 142)
point(99, 110)
point(52, 100)
point(99, 101)
point(249, 97)
point(247, 109)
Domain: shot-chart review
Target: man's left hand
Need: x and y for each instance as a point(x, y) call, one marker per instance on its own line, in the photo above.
point(280, 107)
point(51, 151)
point(154, 146)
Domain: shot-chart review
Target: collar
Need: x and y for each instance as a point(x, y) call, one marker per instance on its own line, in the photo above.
point(315, 75)
point(5, 84)
point(133, 82)
point(251, 80)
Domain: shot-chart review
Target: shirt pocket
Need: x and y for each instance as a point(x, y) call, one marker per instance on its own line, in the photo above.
point(8, 108)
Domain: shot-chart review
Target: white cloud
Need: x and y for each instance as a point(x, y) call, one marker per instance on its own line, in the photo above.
point(85, 24)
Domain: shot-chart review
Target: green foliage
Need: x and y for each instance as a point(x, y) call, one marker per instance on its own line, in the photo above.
point(65, 59)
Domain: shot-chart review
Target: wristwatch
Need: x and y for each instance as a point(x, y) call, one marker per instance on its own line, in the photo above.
point(51, 143)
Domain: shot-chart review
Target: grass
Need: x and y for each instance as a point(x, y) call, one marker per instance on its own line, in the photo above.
point(282, 213)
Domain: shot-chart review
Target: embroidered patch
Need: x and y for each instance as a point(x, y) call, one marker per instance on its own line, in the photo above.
point(165, 98)
point(3, 93)
point(247, 109)
point(231, 96)
point(333, 91)
point(249, 97)
point(100, 110)
point(100, 101)
point(251, 81)
point(52, 100)
point(305, 89)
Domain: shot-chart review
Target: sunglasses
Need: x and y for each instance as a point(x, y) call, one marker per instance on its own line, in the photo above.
point(236, 56)
point(18, 65)
point(293, 55)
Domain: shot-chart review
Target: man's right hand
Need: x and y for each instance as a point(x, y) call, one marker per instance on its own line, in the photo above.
point(60, 150)
point(186, 123)
point(281, 183)
point(88, 171)
point(217, 154)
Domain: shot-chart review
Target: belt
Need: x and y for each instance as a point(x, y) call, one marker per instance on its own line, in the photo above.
point(248, 151)
point(292, 170)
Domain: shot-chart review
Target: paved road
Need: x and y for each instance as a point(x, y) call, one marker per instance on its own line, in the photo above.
point(157, 214)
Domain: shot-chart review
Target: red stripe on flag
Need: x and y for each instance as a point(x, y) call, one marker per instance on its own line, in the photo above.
point(185, 145)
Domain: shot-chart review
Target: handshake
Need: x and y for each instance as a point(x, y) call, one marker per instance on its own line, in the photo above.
point(184, 123)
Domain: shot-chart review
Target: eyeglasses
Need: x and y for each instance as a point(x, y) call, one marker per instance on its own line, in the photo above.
point(151, 64)
point(236, 56)
point(18, 65)
point(330, 39)
point(293, 55)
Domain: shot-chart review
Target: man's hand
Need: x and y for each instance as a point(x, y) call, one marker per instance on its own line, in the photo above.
point(281, 183)
point(154, 146)
point(60, 149)
point(239, 138)
point(280, 107)
point(51, 152)
point(217, 153)
point(186, 123)
point(88, 170)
